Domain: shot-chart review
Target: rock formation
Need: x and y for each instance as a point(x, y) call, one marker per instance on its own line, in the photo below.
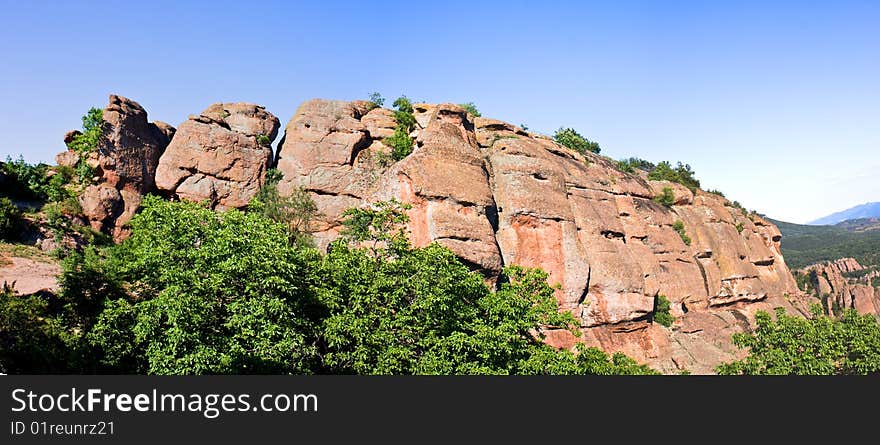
point(838, 292)
point(498, 195)
point(125, 164)
point(219, 156)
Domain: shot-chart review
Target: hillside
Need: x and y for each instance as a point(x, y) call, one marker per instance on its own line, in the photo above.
point(867, 210)
point(380, 240)
point(803, 245)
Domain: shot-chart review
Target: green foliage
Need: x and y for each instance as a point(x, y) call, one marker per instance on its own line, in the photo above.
point(740, 226)
point(681, 174)
point(716, 192)
point(804, 282)
point(376, 100)
point(471, 109)
point(296, 211)
point(193, 291)
point(678, 226)
point(661, 311)
point(88, 142)
point(875, 282)
point(573, 140)
point(264, 140)
point(207, 293)
point(31, 341)
point(400, 142)
point(10, 218)
point(666, 198)
point(403, 114)
point(630, 165)
point(382, 224)
point(821, 345)
point(39, 182)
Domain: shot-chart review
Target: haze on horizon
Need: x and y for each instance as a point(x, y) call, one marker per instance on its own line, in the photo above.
point(775, 105)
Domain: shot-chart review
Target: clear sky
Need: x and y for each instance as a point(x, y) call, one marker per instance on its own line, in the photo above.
point(777, 104)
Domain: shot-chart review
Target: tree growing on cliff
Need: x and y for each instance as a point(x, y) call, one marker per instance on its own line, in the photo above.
point(681, 174)
point(820, 345)
point(573, 140)
point(471, 109)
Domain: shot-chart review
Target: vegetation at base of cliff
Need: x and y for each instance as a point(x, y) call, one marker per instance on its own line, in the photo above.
point(35, 183)
point(678, 226)
point(803, 245)
point(804, 281)
point(471, 109)
point(10, 218)
point(296, 211)
point(661, 312)
point(193, 291)
point(682, 174)
point(821, 345)
point(573, 140)
point(666, 197)
point(400, 142)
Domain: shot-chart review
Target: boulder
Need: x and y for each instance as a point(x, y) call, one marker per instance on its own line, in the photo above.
point(125, 162)
point(219, 156)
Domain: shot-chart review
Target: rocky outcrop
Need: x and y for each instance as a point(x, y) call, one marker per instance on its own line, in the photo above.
point(125, 164)
point(219, 156)
point(837, 291)
point(498, 195)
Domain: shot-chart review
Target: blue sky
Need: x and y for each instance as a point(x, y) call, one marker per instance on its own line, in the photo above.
point(775, 103)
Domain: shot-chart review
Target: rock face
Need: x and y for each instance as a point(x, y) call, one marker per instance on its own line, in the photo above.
point(838, 292)
point(219, 156)
point(497, 195)
point(125, 164)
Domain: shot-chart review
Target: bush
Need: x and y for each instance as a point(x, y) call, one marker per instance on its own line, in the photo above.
point(31, 341)
point(37, 182)
point(662, 315)
point(471, 109)
point(820, 345)
point(681, 174)
point(88, 142)
point(401, 144)
point(296, 211)
point(631, 164)
point(678, 226)
point(376, 100)
point(666, 198)
point(264, 140)
point(740, 226)
point(10, 217)
point(573, 140)
point(716, 192)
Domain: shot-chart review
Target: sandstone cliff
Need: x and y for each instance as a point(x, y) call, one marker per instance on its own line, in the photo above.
point(838, 292)
point(125, 164)
point(493, 193)
point(498, 195)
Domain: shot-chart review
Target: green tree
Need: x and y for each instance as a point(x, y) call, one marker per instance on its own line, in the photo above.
point(31, 341)
point(820, 345)
point(208, 293)
point(10, 218)
point(662, 312)
point(573, 140)
point(400, 142)
point(678, 226)
point(471, 109)
point(666, 197)
point(88, 141)
point(404, 310)
point(296, 211)
point(376, 100)
point(682, 174)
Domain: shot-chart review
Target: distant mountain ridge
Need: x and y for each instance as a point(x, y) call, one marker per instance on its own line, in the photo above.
point(803, 245)
point(867, 210)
